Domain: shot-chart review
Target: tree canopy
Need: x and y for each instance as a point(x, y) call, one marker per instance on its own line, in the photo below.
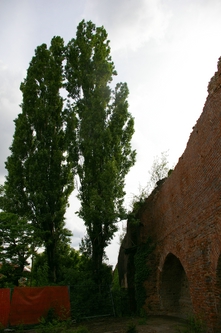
point(103, 137)
point(88, 133)
point(40, 167)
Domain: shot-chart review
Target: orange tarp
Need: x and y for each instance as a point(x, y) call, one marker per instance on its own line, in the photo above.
point(29, 305)
point(4, 306)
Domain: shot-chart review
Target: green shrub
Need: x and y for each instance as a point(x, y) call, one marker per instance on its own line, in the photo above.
point(81, 329)
point(120, 297)
point(131, 328)
point(51, 323)
point(142, 321)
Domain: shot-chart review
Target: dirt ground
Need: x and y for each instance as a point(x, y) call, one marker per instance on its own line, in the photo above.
point(152, 324)
point(155, 324)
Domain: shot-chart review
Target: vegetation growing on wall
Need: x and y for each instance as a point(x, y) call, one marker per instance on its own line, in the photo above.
point(142, 271)
point(138, 252)
point(138, 270)
point(159, 171)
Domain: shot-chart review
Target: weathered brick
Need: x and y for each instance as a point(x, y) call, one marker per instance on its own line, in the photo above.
point(183, 218)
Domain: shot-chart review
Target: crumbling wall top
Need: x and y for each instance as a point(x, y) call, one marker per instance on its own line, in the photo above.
point(215, 82)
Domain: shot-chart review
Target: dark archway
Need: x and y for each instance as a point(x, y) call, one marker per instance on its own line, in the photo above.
point(174, 288)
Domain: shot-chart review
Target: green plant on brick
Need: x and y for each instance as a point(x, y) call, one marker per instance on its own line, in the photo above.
point(142, 271)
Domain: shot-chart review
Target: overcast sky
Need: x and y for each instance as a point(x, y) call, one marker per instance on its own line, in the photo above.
point(166, 51)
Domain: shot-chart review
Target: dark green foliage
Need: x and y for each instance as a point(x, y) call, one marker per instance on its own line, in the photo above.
point(17, 239)
point(87, 298)
point(131, 328)
point(40, 168)
point(142, 271)
point(120, 297)
point(105, 129)
point(17, 244)
point(70, 264)
point(16, 247)
point(52, 323)
point(81, 329)
point(90, 134)
point(10, 274)
point(51, 316)
point(39, 273)
point(75, 270)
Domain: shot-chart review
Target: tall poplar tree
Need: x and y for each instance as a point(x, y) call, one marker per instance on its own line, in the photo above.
point(40, 167)
point(104, 133)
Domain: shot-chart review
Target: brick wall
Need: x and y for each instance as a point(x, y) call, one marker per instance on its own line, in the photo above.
point(183, 218)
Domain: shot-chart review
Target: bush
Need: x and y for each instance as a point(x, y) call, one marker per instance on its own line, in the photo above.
point(81, 329)
point(51, 323)
point(120, 297)
point(131, 328)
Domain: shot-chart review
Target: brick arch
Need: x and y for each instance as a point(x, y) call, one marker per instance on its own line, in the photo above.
point(174, 288)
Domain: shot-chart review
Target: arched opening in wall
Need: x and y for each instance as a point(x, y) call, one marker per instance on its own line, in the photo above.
point(174, 288)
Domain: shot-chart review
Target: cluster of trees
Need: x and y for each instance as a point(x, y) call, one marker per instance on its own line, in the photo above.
point(73, 126)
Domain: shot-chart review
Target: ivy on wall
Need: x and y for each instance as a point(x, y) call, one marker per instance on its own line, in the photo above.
point(142, 271)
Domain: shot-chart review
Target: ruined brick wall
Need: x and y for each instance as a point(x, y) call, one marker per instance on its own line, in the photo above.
point(183, 217)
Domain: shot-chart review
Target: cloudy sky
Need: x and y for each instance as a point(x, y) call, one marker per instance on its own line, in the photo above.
point(166, 51)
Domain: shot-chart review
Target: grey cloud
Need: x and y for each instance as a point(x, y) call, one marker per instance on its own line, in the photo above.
point(78, 233)
point(130, 23)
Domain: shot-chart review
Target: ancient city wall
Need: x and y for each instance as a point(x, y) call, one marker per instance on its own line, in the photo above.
point(183, 218)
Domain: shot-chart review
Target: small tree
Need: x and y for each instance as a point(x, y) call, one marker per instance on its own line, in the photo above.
point(105, 129)
point(17, 245)
point(159, 170)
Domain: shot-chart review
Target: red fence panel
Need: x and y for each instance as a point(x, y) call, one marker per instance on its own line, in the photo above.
point(4, 306)
point(30, 304)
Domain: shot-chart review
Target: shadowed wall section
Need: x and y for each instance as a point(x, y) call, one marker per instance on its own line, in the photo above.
point(174, 288)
